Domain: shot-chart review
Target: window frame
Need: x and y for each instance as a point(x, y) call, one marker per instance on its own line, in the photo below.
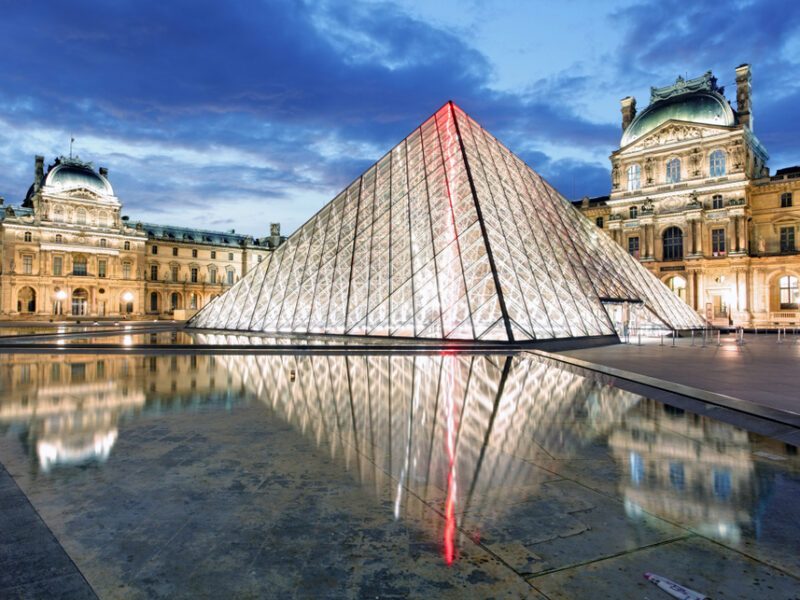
point(786, 200)
point(716, 201)
point(787, 239)
point(634, 178)
point(791, 289)
point(718, 241)
point(716, 163)
point(673, 170)
point(633, 212)
point(633, 246)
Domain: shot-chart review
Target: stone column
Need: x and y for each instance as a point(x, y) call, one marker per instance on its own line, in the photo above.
point(690, 249)
point(698, 243)
point(690, 289)
point(742, 234)
point(651, 244)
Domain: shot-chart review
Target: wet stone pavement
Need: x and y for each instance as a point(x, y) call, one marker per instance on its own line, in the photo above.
point(377, 477)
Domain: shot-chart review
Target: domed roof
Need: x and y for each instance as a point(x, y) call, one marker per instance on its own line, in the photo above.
point(70, 173)
point(696, 101)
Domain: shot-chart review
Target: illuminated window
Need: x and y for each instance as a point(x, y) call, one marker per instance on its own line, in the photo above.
point(788, 291)
point(192, 301)
point(633, 246)
point(673, 244)
point(678, 285)
point(718, 242)
point(786, 200)
point(28, 236)
point(633, 212)
point(716, 201)
point(787, 239)
point(674, 170)
point(716, 163)
point(634, 178)
point(598, 221)
point(637, 468)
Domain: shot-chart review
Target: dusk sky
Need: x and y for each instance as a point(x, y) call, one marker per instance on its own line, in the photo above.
point(231, 115)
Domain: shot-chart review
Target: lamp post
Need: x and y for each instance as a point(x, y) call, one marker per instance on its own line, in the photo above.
point(61, 295)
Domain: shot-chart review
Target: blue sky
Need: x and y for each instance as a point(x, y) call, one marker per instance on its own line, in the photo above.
point(236, 114)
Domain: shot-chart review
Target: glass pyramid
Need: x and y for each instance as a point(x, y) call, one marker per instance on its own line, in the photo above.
point(448, 236)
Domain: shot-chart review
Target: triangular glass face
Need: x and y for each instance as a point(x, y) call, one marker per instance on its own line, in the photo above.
point(449, 236)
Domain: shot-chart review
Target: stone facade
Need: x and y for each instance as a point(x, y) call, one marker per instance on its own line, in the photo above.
point(68, 253)
point(692, 198)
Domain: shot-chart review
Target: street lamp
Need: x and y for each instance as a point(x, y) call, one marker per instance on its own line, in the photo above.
point(61, 295)
point(127, 296)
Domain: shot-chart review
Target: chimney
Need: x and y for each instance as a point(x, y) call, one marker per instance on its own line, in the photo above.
point(103, 171)
point(628, 111)
point(743, 96)
point(39, 174)
point(275, 234)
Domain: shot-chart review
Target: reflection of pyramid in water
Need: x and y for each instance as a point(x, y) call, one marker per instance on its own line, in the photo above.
point(448, 236)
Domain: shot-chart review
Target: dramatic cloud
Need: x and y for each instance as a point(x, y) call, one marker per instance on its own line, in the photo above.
point(238, 114)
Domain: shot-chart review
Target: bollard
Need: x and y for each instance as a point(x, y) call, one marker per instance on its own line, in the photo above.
point(704, 338)
point(639, 333)
point(692, 337)
point(719, 342)
point(674, 335)
point(779, 336)
point(662, 339)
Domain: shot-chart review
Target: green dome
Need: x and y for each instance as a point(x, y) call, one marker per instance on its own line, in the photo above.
point(709, 108)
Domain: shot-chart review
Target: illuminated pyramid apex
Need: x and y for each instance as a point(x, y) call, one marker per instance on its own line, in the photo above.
point(449, 236)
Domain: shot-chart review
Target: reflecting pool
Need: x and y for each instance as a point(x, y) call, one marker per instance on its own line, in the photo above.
point(365, 475)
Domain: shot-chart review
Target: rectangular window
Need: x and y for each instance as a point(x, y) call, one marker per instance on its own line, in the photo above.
point(260, 258)
point(787, 239)
point(126, 270)
point(102, 265)
point(194, 275)
point(174, 252)
point(718, 242)
point(212, 275)
point(153, 249)
point(27, 264)
point(154, 272)
point(716, 202)
point(633, 246)
point(230, 255)
point(230, 277)
point(57, 265)
point(194, 253)
point(127, 246)
point(174, 273)
point(786, 200)
point(213, 254)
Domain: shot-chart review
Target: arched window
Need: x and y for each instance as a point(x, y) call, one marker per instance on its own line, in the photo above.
point(674, 170)
point(80, 302)
point(678, 285)
point(673, 244)
point(80, 216)
point(28, 236)
point(175, 301)
point(633, 212)
point(193, 301)
point(788, 290)
point(716, 163)
point(26, 300)
point(634, 178)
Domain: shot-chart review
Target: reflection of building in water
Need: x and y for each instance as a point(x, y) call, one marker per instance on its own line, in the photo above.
point(687, 467)
point(70, 406)
point(449, 428)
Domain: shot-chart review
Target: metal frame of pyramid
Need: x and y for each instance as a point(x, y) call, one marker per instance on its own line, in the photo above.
point(449, 236)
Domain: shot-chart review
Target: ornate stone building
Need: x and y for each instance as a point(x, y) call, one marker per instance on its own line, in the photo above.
point(68, 253)
point(692, 198)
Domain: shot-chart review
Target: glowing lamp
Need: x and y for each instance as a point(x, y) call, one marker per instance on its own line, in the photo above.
point(127, 296)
